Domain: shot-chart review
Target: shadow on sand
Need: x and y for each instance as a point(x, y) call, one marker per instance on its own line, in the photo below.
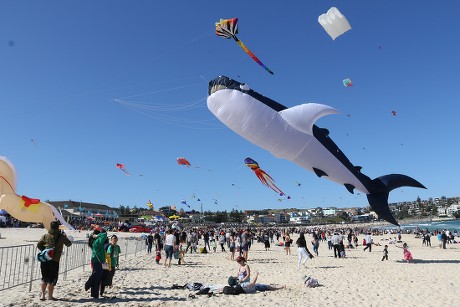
point(430, 261)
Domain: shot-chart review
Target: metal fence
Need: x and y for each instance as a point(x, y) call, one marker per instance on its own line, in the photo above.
point(18, 265)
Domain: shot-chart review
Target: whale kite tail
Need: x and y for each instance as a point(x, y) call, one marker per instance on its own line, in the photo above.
point(378, 198)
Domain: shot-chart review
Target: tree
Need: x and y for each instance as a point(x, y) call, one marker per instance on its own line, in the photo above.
point(344, 215)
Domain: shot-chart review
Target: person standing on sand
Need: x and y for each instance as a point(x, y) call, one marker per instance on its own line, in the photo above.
point(149, 243)
point(444, 239)
point(232, 246)
point(302, 250)
point(50, 269)
point(170, 241)
point(335, 240)
point(385, 253)
point(96, 241)
point(287, 244)
point(368, 239)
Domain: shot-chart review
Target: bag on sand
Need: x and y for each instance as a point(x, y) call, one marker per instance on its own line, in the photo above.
point(310, 282)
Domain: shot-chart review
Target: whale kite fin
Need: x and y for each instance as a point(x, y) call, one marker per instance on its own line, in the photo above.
point(304, 116)
point(319, 172)
point(379, 199)
point(350, 187)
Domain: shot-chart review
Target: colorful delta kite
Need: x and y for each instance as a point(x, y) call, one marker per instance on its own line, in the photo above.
point(393, 112)
point(122, 167)
point(291, 133)
point(334, 23)
point(23, 208)
point(262, 175)
point(228, 28)
point(183, 161)
point(347, 82)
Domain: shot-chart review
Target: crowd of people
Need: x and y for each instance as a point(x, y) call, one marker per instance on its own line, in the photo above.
point(174, 242)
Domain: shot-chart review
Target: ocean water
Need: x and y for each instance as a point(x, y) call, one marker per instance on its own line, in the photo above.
point(451, 225)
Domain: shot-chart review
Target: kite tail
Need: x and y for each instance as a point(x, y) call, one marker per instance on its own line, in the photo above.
point(252, 55)
point(267, 180)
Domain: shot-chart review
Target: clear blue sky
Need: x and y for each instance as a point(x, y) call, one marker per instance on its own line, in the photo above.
point(65, 66)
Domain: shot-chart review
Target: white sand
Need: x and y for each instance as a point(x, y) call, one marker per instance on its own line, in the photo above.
point(361, 279)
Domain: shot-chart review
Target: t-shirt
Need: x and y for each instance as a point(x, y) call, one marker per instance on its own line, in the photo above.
point(114, 251)
point(170, 240)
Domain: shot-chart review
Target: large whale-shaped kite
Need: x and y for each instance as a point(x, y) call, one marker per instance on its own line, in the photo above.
point(291, 133)
point(24, 208)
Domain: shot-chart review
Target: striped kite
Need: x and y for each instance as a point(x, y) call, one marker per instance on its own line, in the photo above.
point(262, 175)
point(228, 28)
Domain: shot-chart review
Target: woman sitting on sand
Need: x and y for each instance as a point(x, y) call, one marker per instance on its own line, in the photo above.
point(243, 274)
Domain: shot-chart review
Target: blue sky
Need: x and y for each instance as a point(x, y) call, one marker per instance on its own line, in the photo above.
point(88, 84)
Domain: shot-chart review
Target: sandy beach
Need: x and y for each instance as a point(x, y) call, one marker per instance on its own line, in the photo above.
point(360, 279)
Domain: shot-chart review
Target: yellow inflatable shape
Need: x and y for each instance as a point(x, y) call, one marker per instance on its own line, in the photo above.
point(23, 208)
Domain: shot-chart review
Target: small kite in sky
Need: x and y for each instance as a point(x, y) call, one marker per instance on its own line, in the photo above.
point(347, 82)
point(184, 202)
point(122, 167)
point(183, 161)
point(393, 112)
point(334, 23)
point(150, 205)
point(228, 28)
point(262, 175)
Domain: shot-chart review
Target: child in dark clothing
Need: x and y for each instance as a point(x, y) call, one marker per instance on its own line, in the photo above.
point(385, 253)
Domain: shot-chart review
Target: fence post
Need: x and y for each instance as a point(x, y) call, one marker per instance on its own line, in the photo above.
point(32, 269)
point(126, 248)
point(65, 266)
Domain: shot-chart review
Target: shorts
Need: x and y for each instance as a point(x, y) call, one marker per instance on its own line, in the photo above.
point(232, 249)
point(50, 272)
point(169, 250)
point(245, 247)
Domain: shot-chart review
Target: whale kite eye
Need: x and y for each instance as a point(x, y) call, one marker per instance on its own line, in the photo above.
point(244, 87)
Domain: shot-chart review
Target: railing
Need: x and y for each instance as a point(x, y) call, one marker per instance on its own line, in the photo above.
point(18, 265)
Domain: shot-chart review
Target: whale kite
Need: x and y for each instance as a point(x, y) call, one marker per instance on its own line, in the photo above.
point(291, 133)
point(24, 208)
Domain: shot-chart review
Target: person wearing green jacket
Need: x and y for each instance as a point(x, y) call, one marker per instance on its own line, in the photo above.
point(50, 269)
point(96, 242)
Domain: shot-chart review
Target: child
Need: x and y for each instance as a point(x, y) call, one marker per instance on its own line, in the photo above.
point(407, 254)
point(342, 249)
point(182, 254)
point(214, 245)
point(385, 253)
point(158, 256)
point(112, 255)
